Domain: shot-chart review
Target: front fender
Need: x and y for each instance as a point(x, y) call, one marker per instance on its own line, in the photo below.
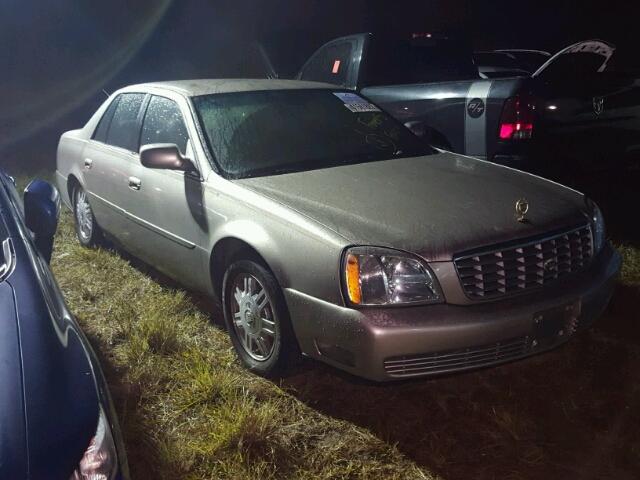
point(259, 239)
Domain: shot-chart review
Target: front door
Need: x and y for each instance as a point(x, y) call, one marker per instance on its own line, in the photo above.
point(168, 205)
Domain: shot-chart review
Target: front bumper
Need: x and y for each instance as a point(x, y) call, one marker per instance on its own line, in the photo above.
point(392, 343)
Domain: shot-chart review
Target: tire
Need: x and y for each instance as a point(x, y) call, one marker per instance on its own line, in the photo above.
point(87, 230)
point(257, 319)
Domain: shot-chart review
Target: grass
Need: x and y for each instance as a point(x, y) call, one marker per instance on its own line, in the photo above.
point(631, 266)
point(189, 411)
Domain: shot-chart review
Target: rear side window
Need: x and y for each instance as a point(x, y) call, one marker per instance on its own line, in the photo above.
point(400, 62)
point(330, 65)
point(163, 123)
point(103, 127)
point(123, 131)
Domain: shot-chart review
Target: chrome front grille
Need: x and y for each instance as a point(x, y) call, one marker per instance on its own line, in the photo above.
point(452, 360)
point(501, 271)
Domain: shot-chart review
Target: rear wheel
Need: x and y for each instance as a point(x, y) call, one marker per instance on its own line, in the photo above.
point(87, 229)
point(257, 319)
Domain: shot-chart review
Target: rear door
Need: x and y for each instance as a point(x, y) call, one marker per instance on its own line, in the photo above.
point(107, 158)
point(168, 206)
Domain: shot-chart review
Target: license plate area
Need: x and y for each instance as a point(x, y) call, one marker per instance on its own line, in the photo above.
point(556, 324)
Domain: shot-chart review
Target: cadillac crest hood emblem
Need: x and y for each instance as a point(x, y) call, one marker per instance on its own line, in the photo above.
point(522, 208)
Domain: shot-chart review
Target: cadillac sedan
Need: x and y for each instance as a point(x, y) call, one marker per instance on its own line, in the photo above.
point(327, 228)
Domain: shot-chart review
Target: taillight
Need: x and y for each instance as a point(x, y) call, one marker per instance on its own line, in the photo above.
point(517, 119)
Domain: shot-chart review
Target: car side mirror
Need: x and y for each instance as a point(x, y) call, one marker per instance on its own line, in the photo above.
point(41, 214)
point(165, 156)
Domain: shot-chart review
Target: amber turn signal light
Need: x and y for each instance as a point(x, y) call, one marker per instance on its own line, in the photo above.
point(352, 273)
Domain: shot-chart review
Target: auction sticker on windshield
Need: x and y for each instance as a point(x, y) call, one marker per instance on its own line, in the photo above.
point(356, 103)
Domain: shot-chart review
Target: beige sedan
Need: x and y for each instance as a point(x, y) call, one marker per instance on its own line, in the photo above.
point(328, 229)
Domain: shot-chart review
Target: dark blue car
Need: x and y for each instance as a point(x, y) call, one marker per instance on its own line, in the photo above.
point(56, 416)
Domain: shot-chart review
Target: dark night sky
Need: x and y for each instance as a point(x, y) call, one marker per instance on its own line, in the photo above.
point(58, 56)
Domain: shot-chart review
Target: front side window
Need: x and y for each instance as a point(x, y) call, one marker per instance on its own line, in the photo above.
point(273, 132)
point(124, 129)
point(163, 123)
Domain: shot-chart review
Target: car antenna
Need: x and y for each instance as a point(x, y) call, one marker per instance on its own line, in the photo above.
point(106, 93)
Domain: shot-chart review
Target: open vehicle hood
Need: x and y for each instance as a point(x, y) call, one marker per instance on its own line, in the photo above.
point(596, 47)
point(437, 205)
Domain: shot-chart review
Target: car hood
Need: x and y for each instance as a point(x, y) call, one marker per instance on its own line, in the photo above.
point(48, 383)
point(437, 205)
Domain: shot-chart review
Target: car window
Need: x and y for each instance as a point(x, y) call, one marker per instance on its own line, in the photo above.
point(391, 61)
point(163, 123)
point(103, 127)
point(331, 64)
point(124, 131)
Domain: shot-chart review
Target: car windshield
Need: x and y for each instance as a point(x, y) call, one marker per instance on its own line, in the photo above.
point(273, 132)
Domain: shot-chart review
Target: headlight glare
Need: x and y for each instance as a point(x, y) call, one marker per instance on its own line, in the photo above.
point(379, 276)
point(99, 461)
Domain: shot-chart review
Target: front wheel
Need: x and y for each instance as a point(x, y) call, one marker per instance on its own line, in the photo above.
point(257, 319)
point(87, 229)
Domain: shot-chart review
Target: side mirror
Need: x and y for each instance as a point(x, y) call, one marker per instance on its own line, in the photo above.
point(41, 213)
point(165, 156)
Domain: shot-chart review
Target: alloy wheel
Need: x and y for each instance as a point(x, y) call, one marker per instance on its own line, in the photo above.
point(84, 216)
point(253, 318)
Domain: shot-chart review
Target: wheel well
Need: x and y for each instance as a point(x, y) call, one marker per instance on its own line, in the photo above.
point(72, 184)
point(224, 253)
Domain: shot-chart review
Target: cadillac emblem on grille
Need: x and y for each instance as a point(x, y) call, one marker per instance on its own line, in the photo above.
point(522, 208)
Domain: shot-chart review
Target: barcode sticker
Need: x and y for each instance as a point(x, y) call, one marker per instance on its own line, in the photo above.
point(356, 103)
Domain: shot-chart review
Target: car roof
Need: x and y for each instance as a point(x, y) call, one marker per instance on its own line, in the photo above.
point(194, 88)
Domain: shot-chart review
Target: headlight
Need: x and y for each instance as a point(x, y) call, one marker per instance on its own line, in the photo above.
point(381, 276)
point(597, 226)
point(100, 460)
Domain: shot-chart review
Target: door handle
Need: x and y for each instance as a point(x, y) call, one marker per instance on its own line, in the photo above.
point(135, 183)
point(88, 163)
